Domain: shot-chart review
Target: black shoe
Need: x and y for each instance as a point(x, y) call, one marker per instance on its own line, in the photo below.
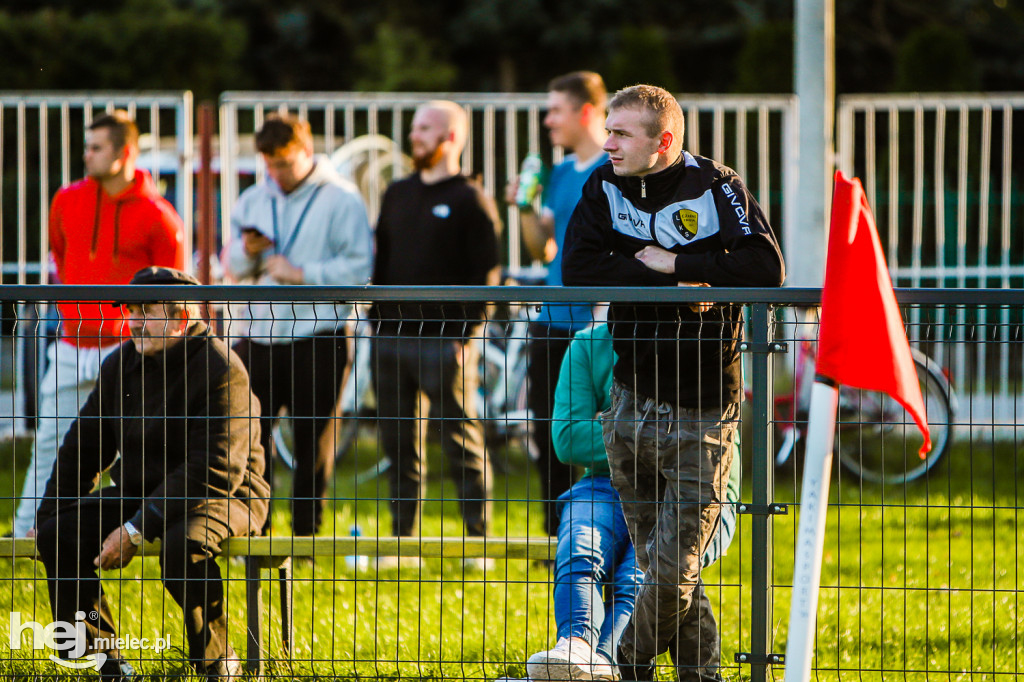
point(227, 668)
point(634, 672)
point(116, 670)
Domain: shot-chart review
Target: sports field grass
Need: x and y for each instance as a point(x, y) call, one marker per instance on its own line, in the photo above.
point(919, 582)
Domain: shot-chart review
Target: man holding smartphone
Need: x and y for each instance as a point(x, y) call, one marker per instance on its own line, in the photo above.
point(303, 224)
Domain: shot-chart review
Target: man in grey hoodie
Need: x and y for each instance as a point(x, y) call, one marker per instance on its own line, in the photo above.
point(303, 224)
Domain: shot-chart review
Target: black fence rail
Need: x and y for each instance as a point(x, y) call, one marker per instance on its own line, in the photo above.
point(418, 537)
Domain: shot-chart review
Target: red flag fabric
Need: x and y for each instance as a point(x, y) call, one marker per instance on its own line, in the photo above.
point(861, 340)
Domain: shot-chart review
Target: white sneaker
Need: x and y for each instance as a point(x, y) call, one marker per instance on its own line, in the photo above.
point(478, 563)
point(571, 659)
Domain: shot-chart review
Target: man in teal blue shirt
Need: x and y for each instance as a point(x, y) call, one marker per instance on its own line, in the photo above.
point(575, 122)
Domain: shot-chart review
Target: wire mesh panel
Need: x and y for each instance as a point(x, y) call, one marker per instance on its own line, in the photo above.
point(406, 533)
point(921, 565)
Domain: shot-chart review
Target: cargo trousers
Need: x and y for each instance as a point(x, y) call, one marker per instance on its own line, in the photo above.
point(670, 466)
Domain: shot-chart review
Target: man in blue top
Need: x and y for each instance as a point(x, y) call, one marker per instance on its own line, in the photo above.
point(575, 122)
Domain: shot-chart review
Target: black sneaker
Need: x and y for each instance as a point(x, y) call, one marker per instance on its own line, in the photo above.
point(116, 670)
point(634, 672)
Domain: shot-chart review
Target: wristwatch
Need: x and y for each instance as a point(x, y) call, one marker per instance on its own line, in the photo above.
point(133, 533)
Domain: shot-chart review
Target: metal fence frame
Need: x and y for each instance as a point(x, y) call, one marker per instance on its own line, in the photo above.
point(522, 116)
point(761, 322)
point(180, 102)
point(861, 119)
point(64, 103)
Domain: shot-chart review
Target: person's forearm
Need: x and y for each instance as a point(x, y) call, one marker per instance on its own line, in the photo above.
point(535, 233)
point(578, 442)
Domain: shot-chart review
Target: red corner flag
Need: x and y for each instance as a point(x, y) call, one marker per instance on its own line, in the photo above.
point(861, 340)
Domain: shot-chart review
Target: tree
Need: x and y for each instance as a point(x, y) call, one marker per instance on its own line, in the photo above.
point(935, 58)
point(765, 63)
point(401, 59)
point(643, 56)
point(145, 44)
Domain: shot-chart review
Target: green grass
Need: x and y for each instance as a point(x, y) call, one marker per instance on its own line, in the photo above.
point(919, 582)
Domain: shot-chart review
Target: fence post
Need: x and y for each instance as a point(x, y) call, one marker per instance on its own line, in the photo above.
point(762, 494)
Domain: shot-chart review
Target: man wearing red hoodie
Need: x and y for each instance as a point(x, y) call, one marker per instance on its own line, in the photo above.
point(103, 229)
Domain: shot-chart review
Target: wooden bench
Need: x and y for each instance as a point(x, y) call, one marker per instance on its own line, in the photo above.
point(276, 553)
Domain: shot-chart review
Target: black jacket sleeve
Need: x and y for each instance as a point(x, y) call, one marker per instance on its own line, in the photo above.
point(382, 243)
point(591, 257)
point(218, 442)
point(482, 226)
point(89, 448)
point(751, 257)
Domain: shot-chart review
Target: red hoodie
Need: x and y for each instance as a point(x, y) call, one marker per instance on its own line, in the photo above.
point(99, 239)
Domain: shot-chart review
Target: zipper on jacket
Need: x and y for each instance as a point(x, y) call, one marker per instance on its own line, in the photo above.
point(96, 222)
point(117, 230)
point(643, 188)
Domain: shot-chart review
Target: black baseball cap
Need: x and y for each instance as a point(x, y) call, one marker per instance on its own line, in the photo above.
point(154, 275)
point(159, 276)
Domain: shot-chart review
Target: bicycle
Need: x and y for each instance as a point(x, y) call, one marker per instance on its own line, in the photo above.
point(501, 399)
point(876, 439)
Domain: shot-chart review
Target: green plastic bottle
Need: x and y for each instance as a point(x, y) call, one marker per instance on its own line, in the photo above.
point(530, 173)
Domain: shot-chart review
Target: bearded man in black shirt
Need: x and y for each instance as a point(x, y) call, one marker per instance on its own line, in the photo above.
point(438, 228)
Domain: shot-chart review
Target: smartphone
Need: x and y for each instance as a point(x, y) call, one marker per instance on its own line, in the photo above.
point(248, 229)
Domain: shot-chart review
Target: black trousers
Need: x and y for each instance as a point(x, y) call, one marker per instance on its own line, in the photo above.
point(303, 376)
point(68, 543)
point(548, 346)
point(402, 367)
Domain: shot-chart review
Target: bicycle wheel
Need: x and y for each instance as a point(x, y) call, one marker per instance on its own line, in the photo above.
point(877, 439)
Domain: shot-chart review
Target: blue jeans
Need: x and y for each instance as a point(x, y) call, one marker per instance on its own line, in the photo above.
point(596, 575)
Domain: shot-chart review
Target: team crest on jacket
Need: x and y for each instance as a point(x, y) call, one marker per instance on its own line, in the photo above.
point(685, 221)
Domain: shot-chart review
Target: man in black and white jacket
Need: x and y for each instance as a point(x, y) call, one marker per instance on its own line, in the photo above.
point(656, 215)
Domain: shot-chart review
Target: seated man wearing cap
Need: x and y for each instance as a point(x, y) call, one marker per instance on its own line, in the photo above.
point(174, 402)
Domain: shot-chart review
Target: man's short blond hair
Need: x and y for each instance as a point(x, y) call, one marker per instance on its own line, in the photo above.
point(458, 122)
point(658, 108)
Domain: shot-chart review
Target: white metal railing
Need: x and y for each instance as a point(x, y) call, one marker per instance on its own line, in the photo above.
point(938, 172)
point(42, 129)
point(912, 134)
point(47, 126)
point(754, 134)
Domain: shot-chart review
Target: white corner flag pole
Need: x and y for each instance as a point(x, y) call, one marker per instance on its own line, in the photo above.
point(810, 540)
